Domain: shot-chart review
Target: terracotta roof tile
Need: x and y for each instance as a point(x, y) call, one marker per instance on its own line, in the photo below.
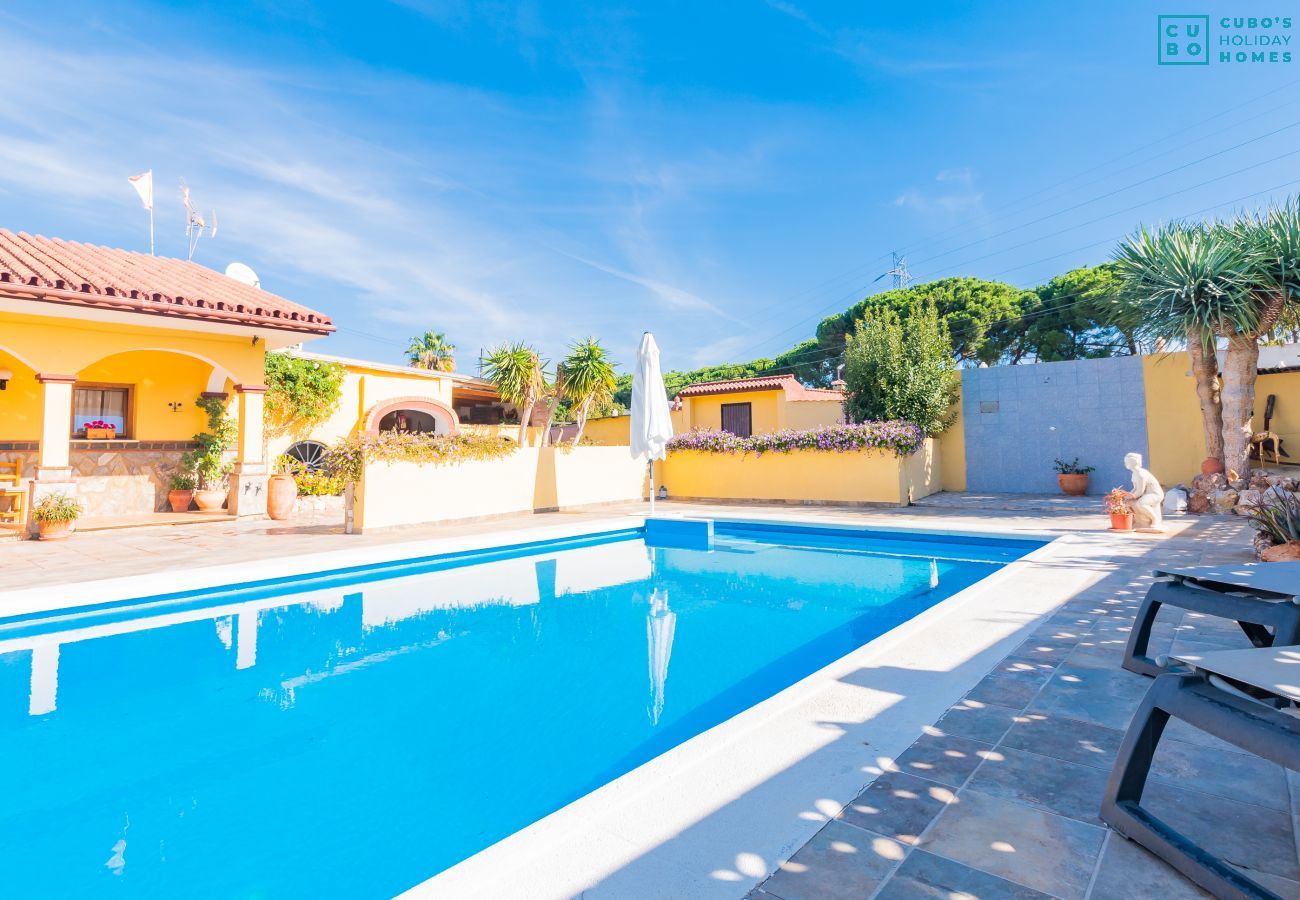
point(788, 383)
point(58, 271)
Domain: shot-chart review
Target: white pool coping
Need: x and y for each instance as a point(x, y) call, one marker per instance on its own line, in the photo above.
point(713, 816)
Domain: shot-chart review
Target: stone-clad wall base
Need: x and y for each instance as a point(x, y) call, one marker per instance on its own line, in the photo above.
point(124, 482)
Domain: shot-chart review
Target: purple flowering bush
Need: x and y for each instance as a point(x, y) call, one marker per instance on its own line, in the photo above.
point(903, 438)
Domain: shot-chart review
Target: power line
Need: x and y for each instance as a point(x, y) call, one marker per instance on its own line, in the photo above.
point(1056, 185)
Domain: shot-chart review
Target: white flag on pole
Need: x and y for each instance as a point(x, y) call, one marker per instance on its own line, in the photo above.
point(143, 185)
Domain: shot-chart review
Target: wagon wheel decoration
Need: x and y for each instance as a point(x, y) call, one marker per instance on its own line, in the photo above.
point(309, 455)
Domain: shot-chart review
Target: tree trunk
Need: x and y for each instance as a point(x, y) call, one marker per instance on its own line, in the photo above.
point(582, 420)
point(551, 403)
point(525, 416)
point(1240, 368)
point(1205, 372)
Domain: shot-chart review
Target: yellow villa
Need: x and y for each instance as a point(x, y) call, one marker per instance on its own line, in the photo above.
point(379, 396)
point(743, 406)
point(92, 334)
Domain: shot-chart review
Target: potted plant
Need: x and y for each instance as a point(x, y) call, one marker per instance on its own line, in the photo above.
point(282, 489)
point(99, 430)
point(208, 460)
point(1072, 477)
point(182, 491)
point(1121, 517)
point(1276, 518)
point(54, 515)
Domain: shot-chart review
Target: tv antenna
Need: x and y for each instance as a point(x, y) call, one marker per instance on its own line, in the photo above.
point(898, 269)
point(195, 224)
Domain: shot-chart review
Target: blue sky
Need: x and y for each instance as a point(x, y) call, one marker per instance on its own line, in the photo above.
point(724, 174)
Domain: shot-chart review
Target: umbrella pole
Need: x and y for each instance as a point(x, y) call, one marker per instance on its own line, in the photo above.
point(652, 487)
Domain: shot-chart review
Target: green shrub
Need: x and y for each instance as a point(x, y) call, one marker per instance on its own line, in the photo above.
point(901, 369)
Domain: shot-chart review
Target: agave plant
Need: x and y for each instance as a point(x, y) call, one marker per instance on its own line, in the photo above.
point(517, 372)
point(1276, 516)
point(587, 379)
point(1189, 283)
point(433, 351)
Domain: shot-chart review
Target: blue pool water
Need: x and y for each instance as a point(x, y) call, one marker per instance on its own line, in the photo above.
point(353, 734)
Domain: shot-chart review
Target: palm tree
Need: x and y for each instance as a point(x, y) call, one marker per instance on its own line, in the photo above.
point(1272, 242)
point(1185, 283)
point(516, 370)
point(588, 379)
point(433, 351)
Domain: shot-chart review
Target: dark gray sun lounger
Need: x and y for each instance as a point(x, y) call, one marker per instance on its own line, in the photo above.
point(1261, 597)
point(1243, 697)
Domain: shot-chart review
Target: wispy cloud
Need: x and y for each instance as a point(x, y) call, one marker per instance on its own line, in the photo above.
point(958, 195)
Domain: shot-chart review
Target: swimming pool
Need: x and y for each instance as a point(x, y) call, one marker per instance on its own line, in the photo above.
point(354, 733)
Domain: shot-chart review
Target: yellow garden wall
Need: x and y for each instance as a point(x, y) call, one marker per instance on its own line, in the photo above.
point(531, 478)
point(803, 476)
point(952, 444)
point(1175, 437)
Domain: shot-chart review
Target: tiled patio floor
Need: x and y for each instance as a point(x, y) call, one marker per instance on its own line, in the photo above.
point(999, 797)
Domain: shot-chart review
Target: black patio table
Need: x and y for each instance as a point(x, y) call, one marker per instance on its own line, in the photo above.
point(1262, 598)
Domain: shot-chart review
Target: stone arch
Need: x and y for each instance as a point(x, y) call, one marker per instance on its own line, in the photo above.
point(443, 414)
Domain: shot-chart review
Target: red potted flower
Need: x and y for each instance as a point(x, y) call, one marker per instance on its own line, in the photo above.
point(99, 430)
point(1121, 516)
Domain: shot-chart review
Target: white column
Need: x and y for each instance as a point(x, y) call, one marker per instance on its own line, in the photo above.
point(248, 482)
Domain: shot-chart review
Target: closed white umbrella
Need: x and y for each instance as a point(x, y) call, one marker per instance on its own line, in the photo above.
point(652, 423)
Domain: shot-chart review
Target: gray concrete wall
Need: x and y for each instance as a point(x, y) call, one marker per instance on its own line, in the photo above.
point(1019, 419)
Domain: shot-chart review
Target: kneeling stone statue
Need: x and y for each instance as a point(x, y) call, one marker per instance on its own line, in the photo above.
point(1145, 498)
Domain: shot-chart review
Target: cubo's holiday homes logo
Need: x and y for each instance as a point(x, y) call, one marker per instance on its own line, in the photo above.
point(1182, 40)
point(1185, 40)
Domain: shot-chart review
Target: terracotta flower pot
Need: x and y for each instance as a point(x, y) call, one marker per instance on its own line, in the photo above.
point(1073, 485)
point(1288, 552)
point(209, 501)
point(100, 434)
point(281, 496)
point(1211, 466)
point(54, 531)
point(1121, 521)
point(180, 500)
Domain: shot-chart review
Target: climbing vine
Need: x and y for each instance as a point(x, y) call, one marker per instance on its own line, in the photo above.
point(300, 392)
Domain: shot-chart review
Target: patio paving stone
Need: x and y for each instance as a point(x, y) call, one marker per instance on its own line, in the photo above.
point(924, 875)
point(1127, 871)
point(943, 758)
point(1071, 740)
point(898, 805)
point(840, 863)
point(977, 721)
point(1244, 834)
point(1050, 784)
point(1019, 843)
point(1011, 689)
point(1102, 696)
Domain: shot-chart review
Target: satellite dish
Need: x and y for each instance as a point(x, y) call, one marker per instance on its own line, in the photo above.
point(243, 274)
